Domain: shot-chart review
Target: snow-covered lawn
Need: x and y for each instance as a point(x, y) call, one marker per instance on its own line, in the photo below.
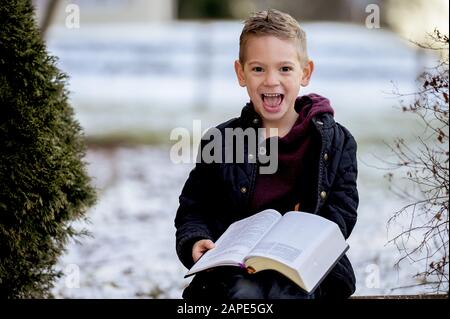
point(131, 253)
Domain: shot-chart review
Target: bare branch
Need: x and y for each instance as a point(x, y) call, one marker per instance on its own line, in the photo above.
point(425, 165)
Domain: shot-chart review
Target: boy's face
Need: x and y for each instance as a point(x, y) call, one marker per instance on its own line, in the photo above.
point(273, 75)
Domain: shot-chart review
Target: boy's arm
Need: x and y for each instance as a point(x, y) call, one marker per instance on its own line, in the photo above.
point(342, 202)
point(195, 211)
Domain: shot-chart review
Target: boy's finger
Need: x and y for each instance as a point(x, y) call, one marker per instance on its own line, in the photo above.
point(195, 256)
point(209, 244)
point(200, 248)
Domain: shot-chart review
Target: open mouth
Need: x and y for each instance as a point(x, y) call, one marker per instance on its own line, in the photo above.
point(272, 99)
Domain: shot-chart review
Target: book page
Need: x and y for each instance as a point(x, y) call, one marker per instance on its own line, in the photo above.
point(307, 243)
point(295, 235)
point(237, 241)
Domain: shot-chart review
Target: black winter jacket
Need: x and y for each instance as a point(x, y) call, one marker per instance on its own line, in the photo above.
point(218, 194)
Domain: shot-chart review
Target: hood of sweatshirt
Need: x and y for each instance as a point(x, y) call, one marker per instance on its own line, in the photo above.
point(307, 107)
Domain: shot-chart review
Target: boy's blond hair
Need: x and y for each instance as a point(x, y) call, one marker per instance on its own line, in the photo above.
point(276, 23)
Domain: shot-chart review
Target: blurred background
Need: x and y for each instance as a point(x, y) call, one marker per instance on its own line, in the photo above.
point(138, 69)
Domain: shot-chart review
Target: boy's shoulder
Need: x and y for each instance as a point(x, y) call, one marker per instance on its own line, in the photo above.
point(327, 121)
point(334, 135)
point(219, 131)
point(231, 123)
point(247, 118)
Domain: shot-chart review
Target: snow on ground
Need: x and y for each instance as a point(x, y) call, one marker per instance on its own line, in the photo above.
point(131, 253)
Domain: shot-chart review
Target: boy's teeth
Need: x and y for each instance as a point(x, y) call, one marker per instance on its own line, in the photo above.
point(272, 99)
point(271, 94)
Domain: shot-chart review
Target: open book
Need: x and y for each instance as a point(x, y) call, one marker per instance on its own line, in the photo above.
point(302, 246)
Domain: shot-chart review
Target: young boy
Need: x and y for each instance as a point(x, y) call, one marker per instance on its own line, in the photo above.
point(316, 166)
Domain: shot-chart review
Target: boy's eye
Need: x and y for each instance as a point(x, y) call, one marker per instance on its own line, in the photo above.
point(286, 69)
point(257, 69)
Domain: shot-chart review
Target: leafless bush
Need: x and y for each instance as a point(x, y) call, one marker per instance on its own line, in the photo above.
point(425, 166)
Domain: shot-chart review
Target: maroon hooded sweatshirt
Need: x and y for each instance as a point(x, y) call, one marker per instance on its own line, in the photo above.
point(292, 186)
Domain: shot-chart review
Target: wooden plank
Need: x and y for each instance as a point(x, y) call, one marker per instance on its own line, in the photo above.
point(428, 296)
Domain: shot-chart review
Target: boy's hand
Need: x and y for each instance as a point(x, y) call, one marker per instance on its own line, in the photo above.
point(201, 247)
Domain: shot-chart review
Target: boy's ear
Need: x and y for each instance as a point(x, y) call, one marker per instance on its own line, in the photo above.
point(239, 69)
point(307, 72)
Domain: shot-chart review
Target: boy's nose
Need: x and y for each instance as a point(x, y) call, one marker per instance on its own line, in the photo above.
point(271, 79)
